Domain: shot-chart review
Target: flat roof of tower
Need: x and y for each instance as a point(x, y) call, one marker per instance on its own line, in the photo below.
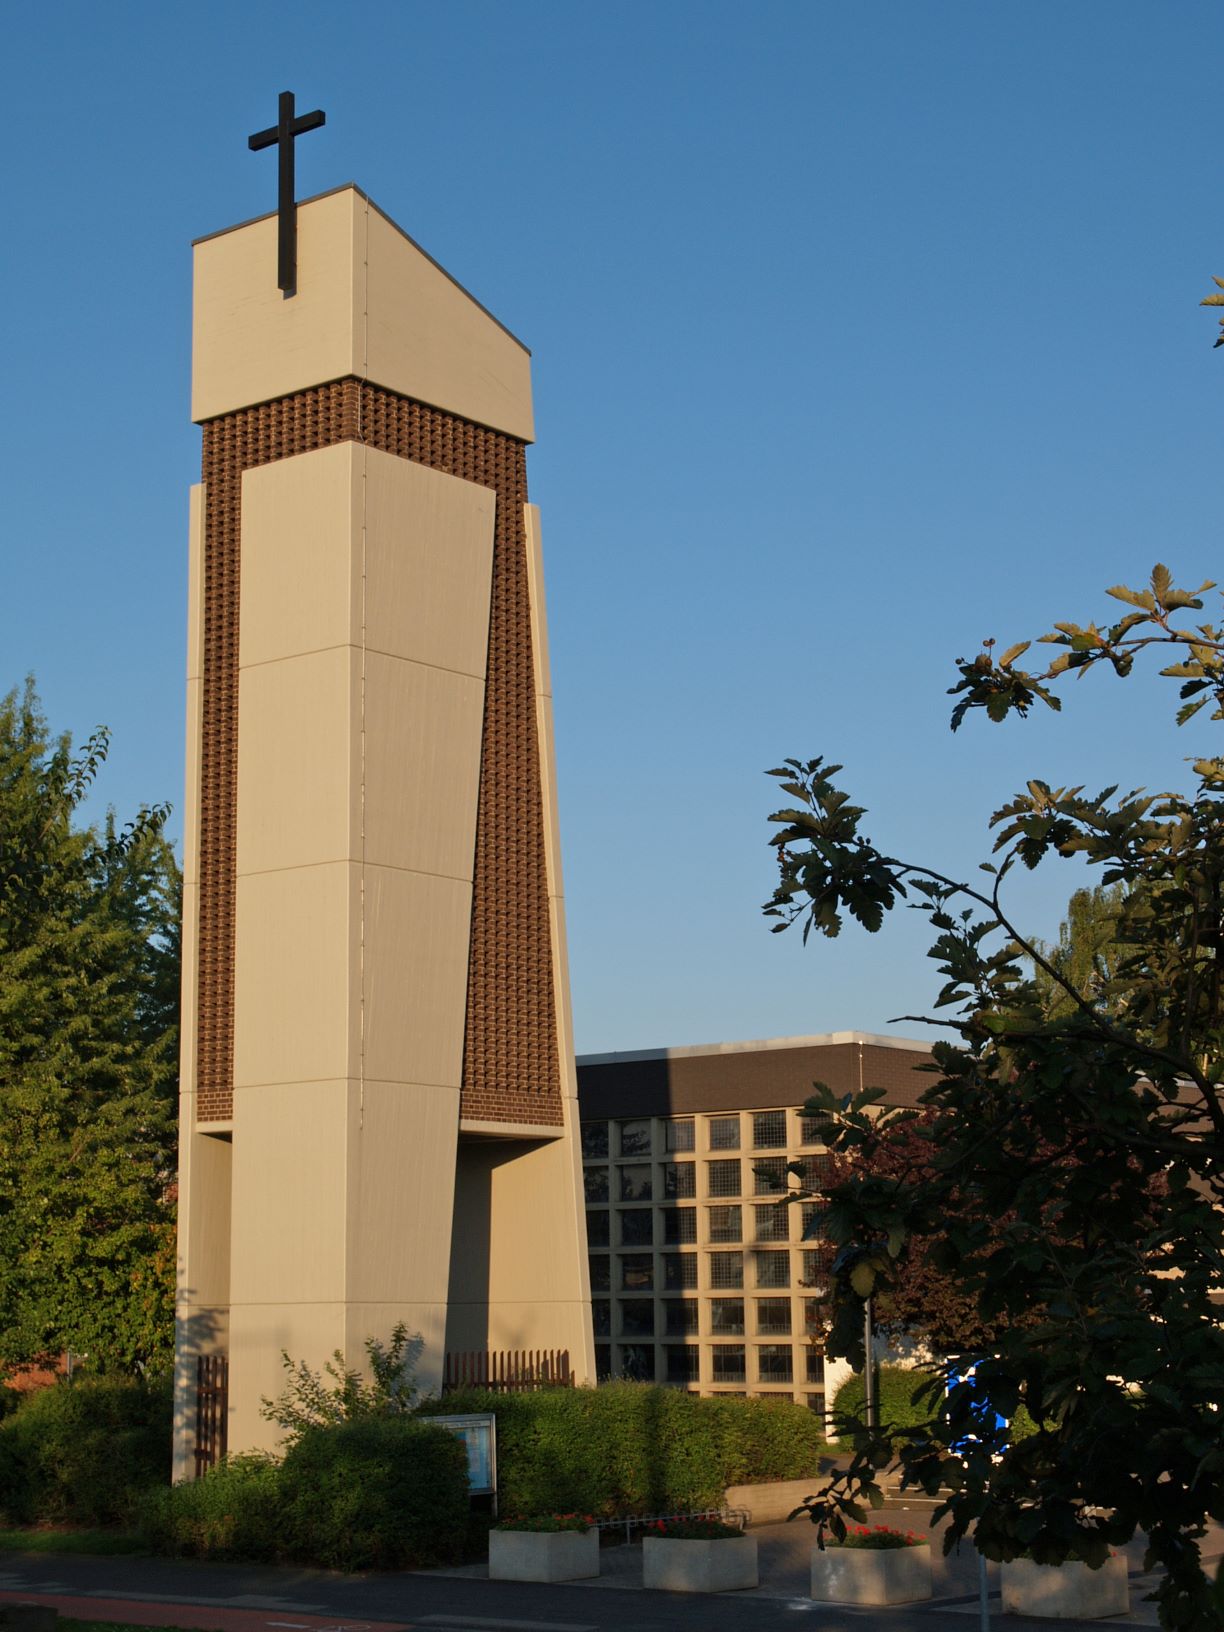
point(755, 1045)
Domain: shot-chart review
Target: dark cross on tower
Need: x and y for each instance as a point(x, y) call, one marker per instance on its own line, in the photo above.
point(281, 134)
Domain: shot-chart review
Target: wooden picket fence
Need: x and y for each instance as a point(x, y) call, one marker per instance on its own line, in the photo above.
point(212, 1410)
point(508, 1371)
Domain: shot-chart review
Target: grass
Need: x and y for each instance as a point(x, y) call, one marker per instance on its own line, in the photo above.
point(44, 1540)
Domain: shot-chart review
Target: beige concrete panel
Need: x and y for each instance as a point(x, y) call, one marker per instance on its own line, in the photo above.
point(300, 520)
point(290, 1206)
point(298, 757)
point(427, 338)
point(205, 1190)
point(428, 564)
point(296, 970)
point(424, 1320)
point(195, 581)
point(259, 1332)
point(189, 991)
point(416, 931)
point(195, 665)
point(422, 765)
point(250, 344)
point(401, 1185)
point(196, 1332)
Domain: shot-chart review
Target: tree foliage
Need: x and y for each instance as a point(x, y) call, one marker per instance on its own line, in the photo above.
point(387, 1388)
point(1074, 1153)
point(88, 1060)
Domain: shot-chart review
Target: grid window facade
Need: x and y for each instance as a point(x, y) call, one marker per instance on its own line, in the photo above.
point(812, 1217)
point(812, 1130)
point(595, 1141)
point(597, 1228)
point(815, 1366)
point(681, 1317)
point(727, 1317)
point(601, 1274)
point(680, 1180)
point(637, 1227)
point(603, 1362)
point(726, 1223)
point(679, 1224)
point(637, 1272)
point(728, 1363)
point(679, 1134)
point(723, 1178)
point(774, 1363)
point(635, 1137)
point(637, 1362)
point(815, 1315)
point(815, 1171)
point(637, 1317)
point(772, 1223)
point(635, 1183)
point(682, 1362)
point(724, 1133)
point(773, 1316)
point(727, 1269)
point(769, 1130)
point(772, 1268)
point(814, 1269)
point(769, 1176)
point(815, 1402)
point(679, 1271)
point(601, 1317)
point(595, 1183)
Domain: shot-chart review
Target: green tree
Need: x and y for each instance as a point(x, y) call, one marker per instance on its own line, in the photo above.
point(1087, 953)
point(1074, 1177)
point(89, 957)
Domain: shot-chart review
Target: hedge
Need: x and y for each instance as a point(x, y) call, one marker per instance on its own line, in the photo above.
point(375, 1493)
point(630, 1448)
point(84, 1452)
point(897, 1387)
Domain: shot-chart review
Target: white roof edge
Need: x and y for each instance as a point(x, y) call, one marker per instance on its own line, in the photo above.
point(756, 1046)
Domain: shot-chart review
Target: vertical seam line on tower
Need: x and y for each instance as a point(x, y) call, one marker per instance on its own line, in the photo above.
point(365, 369)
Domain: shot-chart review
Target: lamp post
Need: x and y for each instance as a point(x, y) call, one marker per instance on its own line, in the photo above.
point(871, 1402)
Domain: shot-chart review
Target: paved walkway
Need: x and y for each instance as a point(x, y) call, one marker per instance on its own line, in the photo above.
point(256, 1598)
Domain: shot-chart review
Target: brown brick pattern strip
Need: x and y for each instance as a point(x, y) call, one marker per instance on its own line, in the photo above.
point(510, 1068)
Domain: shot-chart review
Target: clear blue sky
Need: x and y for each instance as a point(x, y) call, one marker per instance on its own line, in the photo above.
point(861, 332)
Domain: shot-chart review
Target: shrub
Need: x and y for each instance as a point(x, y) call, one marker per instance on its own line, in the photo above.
point(84, 1452)
point(375, 1493)
point(631, 1448)
point(232, 1512)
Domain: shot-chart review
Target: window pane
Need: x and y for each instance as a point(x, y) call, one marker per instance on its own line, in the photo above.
point(601, 1274)
point(680, 1179)
point(637, 1317)
point(637, 1227)
point(812, 1216)
point(595, 1179)
point(637, 1362)
point(595, 1141)
point(726, 1269)
point(682, 1362)
point(679, 1224)
point(635, 1183)
point(680, 1315)
point(597, 1227)
point(637, 1271)
point(724, 1133)
point(815, 1316)
point(726, 1224)
point(635, 1138)
point(815, 1368)
point(812, 1129)
point(772, 1268)
point(774, 1363)
point(679, 1270)
point(601, 1317)
point(723, 1178)
point(815, 1402)
point(769, 1175)
point(817, 1171)
point(603, 1362)
point(769, 1130)
point(815, 1270)
point(727, 1316)
point(773, 1315)
point(678, 1135)
point(772, 1223)
point(729, 1363)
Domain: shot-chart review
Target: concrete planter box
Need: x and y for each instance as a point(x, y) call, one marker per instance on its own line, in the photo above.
point(1065, 1592)
point(726, 1565)
point(871, 1575)
point(543, 1555)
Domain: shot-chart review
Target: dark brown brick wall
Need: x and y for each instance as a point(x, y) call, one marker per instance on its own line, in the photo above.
point(511, 1070)
point(747, 1080)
